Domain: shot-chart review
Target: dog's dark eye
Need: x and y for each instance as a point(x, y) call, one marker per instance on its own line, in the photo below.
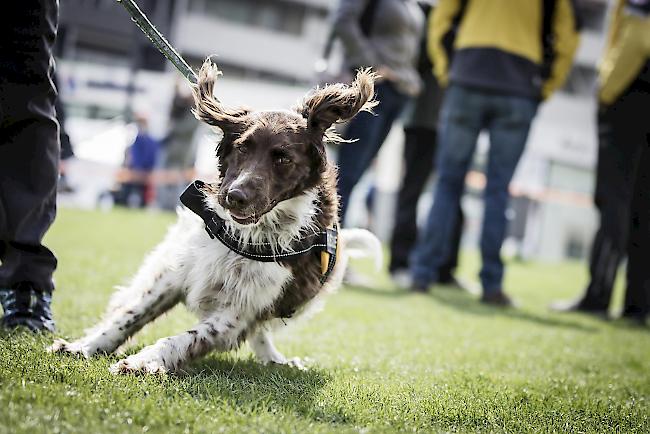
point(283, 160)
point(241, 149)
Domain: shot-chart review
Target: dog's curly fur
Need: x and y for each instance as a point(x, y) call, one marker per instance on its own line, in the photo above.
point(274, 185)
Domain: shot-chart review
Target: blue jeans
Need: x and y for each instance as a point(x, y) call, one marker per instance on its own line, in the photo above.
point(371, 131)
point(465, 112)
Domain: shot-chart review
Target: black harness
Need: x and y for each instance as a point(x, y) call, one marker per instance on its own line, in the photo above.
point(325, 241)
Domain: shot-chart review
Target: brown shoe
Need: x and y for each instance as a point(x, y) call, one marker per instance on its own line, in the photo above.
point(498, 298)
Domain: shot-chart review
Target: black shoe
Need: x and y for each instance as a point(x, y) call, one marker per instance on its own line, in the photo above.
point(497, 298)
point(578, 306)
point(634, 316)
point(634, 320)
point(420, 287)
point(453, 283)
point(26, 306)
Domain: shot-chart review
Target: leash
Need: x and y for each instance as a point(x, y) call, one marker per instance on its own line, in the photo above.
point(158, 40)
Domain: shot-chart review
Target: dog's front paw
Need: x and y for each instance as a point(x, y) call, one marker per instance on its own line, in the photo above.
point(296, 362)
point(140, 363)
point(79, 347)
point(279, 359)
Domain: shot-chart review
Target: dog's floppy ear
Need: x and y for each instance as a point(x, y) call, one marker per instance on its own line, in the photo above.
point(338, 102)
point(208, 109)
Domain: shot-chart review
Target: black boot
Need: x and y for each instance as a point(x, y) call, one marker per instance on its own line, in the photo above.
point(579, 305)
point(24, 305)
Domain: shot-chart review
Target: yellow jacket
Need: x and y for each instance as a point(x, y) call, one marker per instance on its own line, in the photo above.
point(627, 50)
point(516, 46)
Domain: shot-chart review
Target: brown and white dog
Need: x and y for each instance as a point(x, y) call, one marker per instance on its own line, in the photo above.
point(275, 185)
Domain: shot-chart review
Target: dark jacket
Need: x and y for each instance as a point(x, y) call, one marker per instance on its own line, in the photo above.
point(393, 38)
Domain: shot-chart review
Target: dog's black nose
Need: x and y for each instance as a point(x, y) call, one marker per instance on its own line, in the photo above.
point(236, 199)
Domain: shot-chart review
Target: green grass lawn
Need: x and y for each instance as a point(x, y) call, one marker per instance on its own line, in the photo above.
point(381, 360)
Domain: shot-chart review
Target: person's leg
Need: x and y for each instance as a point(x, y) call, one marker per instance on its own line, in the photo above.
point(605, 257)
point(637, 295)
point(619, 155)
point(29, 154)
point(419, 148)
point(509, 125)
point(461, 122)
point(370, 130)
point(447, 269)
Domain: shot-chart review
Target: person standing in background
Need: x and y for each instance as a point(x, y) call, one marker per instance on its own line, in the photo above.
point(29, 161)
point(140, 160)
point(621, 195)
point(420, 144)
point(507, 56)
point(388, 42)
point(178, 153)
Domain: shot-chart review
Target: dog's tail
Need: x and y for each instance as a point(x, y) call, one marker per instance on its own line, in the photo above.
point(360, 243)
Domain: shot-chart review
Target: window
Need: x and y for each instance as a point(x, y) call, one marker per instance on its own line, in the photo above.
point(277, 15)
point(101, 55)
point(241, 72)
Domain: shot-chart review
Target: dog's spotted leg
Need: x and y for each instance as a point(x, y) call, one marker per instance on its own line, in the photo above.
point(222, 331)
point(262, 345)
point(125, 317)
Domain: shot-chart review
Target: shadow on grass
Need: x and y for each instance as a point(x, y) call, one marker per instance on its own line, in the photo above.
point(392, 293)
point(465, 302)
point(249, 386)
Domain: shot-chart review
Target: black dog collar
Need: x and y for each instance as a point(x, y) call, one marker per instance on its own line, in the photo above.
point(325, 241)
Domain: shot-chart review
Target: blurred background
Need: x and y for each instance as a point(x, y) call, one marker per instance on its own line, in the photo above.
point(110, 76)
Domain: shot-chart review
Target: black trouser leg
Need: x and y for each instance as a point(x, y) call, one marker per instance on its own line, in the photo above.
point(419, 151)
point(618, 159)
point(29, 144)
point(419, 160)
point(637, 295)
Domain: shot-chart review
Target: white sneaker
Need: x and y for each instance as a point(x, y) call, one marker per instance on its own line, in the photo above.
point(354, 278)
point(402, 279)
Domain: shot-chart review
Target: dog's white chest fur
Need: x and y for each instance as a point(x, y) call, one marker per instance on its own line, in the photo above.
point(216, 276)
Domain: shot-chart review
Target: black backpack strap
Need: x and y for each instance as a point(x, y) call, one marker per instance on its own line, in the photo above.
point(368, 17)
point(548, 38)
point(449, 38)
